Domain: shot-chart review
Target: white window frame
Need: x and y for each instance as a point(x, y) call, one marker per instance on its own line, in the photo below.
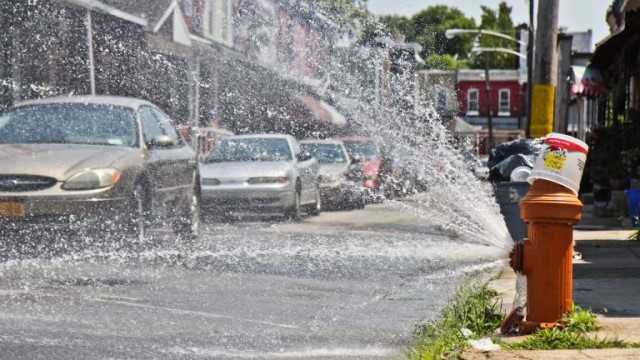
point(217, 21)
point(504, 110)
point(476, 111)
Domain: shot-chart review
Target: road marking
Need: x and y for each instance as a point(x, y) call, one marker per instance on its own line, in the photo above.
point(195, 313)
point(366, 352)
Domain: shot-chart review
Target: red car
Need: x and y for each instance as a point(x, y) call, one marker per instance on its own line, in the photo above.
point(368, 154)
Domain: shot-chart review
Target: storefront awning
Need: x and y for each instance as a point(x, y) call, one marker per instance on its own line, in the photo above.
point(587, 81)
point(323, 112)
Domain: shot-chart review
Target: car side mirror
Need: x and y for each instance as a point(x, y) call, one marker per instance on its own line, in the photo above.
point(162, 141)
point(304, 156)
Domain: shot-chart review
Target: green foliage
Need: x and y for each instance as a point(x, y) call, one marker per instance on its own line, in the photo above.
point(428, 29)
point(398, 25)
point(430, 26)
point(500, 21)
point(580, 320)
point(474, 308)
point(573, 336)
point(345, 12)
point(559, 339)
point(445, 62)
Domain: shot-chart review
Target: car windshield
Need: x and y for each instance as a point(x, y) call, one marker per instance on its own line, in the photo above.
point(69, 124)
point(326, 153)
point(363, 150)
point(251, 149)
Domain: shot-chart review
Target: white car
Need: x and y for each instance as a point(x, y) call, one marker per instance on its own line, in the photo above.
point(340, 186)
point(264, 173)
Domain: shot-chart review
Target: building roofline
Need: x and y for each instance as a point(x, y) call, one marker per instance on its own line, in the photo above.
point(96, 5)
point(167, 13)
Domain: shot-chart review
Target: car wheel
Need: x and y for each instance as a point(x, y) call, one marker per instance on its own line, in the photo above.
point(189, 221)
point(316, 208)
point(295, 212)
point(138, 223)
point(362, 202)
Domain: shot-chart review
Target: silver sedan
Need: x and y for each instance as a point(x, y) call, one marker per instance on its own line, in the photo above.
point(100, 162)
point(266, 173)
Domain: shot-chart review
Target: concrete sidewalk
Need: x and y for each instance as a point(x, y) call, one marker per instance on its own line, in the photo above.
point(606, 280)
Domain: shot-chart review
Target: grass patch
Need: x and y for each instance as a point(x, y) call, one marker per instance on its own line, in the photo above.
point(474, 308)
point(580, 320)
point(571, 336)
point(563, 339)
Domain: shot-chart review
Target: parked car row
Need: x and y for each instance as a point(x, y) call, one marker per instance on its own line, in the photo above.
point(98, 161)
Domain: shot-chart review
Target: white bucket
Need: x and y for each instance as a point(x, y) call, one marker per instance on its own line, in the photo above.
point(562, 161)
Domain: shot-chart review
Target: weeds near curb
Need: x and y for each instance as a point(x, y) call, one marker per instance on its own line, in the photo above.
point(563, 339)
point(580, 320)
point(572, 336)
point(474, 308)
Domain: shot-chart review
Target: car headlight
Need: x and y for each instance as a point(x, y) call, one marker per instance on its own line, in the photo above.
point(269, 180)
point(92, 179)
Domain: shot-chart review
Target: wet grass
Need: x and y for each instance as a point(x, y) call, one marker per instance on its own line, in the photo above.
point(564, 339)
point(572, 335)
point(474, 313)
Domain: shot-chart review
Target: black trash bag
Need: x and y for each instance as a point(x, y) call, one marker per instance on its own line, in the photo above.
point(502, 171)
point(522, 146)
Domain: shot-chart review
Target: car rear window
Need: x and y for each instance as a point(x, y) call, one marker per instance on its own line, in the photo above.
point(251, 149)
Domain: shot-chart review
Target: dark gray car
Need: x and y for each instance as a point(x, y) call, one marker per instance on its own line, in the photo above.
point(96, 161)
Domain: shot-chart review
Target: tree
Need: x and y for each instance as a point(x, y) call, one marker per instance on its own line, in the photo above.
point(343, 11)
point(497, 20)
point(444, 62)
point(430, 26)
point(398, 25)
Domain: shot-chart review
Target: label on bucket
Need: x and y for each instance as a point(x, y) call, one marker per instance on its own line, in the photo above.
point(562, 161)
point(554, 160)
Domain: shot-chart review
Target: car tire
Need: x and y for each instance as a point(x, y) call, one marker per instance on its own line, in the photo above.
point(295, 212)
point(362, 202)
point(189, 221)
point(137, 224)
point(316, 208)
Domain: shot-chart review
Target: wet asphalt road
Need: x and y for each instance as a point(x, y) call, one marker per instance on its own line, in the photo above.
point(341, 285)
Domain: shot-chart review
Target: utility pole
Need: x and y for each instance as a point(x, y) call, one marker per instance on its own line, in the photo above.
point(545, 69)
point(488, 94)
point(530, 54)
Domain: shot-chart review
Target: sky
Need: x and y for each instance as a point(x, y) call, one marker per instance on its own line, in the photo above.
point(576, 15)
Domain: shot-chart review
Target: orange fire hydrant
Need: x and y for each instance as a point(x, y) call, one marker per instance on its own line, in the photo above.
point(550, 210)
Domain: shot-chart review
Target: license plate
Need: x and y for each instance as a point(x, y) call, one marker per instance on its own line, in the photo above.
point(12, 209)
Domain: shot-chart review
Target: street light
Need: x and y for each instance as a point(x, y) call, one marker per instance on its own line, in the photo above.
point(500, 50)
point(451, 33)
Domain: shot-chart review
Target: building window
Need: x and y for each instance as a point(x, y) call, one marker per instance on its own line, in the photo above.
point(504, 105)
point(473, 102)
point(217, 24)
